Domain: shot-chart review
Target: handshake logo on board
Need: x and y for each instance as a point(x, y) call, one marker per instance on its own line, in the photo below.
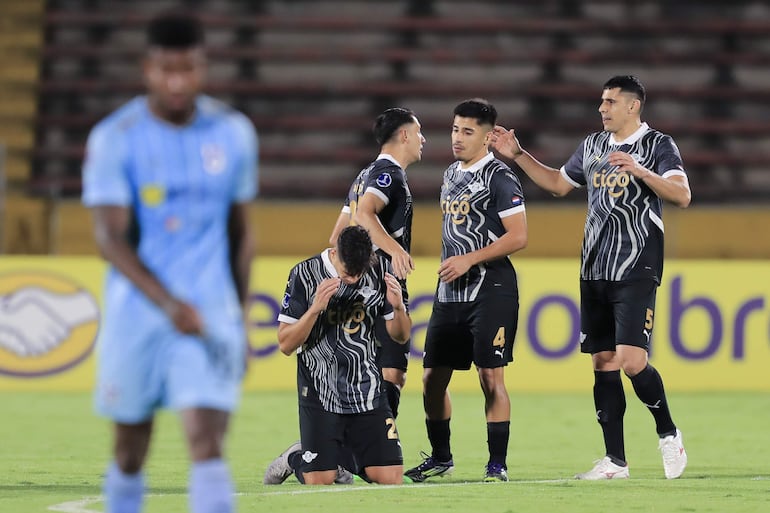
point(35, 321)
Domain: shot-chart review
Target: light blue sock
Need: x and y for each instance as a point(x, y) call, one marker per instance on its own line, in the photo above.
point(211, 488)
point(123, 492)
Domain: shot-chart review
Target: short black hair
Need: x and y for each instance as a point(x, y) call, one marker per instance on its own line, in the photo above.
point(479, 109)
point(627, 84)
point(176, 30)
point(389, 121)
point(354, 247)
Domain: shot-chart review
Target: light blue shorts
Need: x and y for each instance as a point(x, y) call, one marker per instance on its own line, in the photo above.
point(145, 364)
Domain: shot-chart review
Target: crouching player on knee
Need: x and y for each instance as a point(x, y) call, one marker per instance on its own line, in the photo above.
point(328, 315)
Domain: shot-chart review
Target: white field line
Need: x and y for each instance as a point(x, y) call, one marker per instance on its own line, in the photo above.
point(81, 505)
point(78, 506)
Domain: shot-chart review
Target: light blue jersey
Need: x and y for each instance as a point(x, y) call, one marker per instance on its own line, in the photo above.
point(180, 183)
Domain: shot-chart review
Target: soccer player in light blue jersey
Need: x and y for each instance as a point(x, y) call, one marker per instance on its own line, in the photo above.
point(168, 177)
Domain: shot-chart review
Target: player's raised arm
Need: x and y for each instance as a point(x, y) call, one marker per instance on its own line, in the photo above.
point(506, 144)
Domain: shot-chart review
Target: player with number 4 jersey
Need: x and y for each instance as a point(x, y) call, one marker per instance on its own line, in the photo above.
point(475, 313)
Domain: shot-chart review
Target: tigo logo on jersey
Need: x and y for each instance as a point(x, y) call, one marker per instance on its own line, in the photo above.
point(349, 316)
point(614, 182)
point(384, 180)
point(47, 324)
point(458, 209)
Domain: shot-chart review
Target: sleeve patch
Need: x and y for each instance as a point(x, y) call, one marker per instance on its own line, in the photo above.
point(384, 180)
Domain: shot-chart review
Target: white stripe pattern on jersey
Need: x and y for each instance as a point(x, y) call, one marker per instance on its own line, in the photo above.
point(621, 210)
point(339, 357)
point(469, 214)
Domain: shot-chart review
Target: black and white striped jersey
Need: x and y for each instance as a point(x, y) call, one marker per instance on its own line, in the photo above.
point(473, 203)
point(385, 178)
point(338, 358)
point(623, 237)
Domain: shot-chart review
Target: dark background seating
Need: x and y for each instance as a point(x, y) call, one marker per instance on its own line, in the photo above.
point(312, 75)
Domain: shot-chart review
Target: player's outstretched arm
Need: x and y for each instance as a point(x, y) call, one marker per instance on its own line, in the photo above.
point(111, 226)
point(505, 143)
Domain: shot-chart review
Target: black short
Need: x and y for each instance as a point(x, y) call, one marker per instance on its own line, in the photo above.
point(616, 312)
point(482, 332)
point(391, 354)
point(371, 437)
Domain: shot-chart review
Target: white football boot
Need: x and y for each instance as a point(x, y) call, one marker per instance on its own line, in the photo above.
point(604, 469)
point(674, 455)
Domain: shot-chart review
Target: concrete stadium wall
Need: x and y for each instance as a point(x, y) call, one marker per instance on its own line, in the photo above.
point(302, 228)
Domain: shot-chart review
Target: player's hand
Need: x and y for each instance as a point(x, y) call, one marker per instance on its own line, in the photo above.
point(627, 164)
point(184, 317)
point(33, 320)
point(454, 267)
point(326, 289)
point(402, 264)
point(505, 142)
point(394, 293)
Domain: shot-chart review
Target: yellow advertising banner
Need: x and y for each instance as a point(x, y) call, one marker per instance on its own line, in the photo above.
point(711, 331)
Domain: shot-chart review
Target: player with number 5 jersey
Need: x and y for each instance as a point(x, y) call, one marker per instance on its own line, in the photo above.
point(629, 170)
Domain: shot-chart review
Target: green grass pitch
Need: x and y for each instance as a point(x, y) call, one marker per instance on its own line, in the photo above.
point(53, 451)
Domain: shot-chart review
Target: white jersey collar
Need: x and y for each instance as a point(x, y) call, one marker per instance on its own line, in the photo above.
point(478, 165)
point(631, 139)
point(327, 260)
